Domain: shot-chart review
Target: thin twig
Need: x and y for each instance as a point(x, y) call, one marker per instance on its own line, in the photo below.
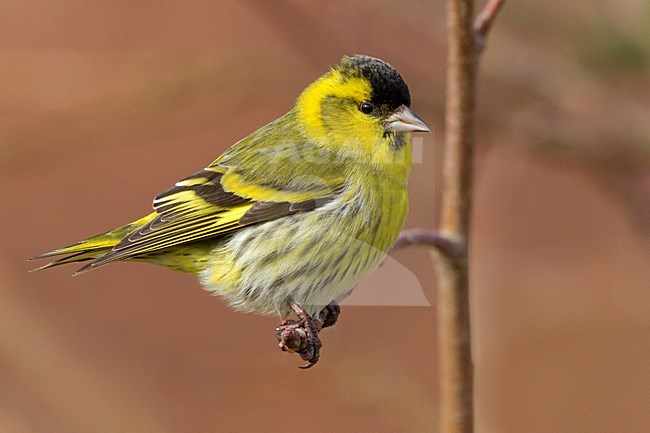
point(444, 244)
point(456, 368)
point(483, 22)
point(466, 42)
point(451, 242)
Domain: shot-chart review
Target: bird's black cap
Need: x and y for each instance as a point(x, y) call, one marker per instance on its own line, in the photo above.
point(388, 86)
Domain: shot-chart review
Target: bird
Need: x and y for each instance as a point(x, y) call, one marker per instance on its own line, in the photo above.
point(292, 217)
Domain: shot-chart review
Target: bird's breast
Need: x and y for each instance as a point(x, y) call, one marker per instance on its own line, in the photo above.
point(374, 211)
point(313, 257)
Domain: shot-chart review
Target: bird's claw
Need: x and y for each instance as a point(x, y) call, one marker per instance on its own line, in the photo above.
point(301, 337)
point(330, 314)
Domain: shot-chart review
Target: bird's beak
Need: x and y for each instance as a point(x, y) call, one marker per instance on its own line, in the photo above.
point(404, 120)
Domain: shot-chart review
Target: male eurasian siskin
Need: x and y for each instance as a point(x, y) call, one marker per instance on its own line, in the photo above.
point(293, 216)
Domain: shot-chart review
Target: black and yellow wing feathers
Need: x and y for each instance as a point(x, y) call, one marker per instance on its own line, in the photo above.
point(198, 208)
point(259, 179)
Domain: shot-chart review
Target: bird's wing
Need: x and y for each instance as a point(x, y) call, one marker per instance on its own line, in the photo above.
point(205, 205)
point(272, 173)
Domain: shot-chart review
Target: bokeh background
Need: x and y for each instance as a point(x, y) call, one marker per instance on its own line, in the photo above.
point(106, 103)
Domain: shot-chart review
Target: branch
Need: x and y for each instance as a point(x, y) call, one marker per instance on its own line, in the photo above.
point(466, 42)
point(483, 23)
point(454, 330)
point(445, 244)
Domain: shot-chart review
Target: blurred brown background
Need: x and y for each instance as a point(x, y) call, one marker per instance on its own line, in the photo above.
point(106, 103)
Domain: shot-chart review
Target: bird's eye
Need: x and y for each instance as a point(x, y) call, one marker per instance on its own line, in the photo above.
point(366, 108)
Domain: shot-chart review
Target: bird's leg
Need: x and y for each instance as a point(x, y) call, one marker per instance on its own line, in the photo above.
point(301, 336)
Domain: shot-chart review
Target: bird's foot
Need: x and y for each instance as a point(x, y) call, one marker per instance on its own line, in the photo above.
point(301, 336)
point(330, 314)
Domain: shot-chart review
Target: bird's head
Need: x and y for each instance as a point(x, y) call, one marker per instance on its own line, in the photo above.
point(360, 108)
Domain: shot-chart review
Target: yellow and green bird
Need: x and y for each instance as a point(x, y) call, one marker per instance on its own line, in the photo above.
point(293, 216)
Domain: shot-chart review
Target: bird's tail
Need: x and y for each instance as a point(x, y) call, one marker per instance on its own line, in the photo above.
point(91, 248)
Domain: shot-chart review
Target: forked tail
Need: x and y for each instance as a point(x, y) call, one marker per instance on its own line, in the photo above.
point(91, 248)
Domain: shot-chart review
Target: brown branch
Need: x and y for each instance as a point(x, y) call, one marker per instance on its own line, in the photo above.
point(446, 245)
point(456, 369)
point(483, 22)
point(466, 42)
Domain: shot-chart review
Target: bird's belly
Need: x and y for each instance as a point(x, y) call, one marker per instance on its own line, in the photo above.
point(312, 258)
